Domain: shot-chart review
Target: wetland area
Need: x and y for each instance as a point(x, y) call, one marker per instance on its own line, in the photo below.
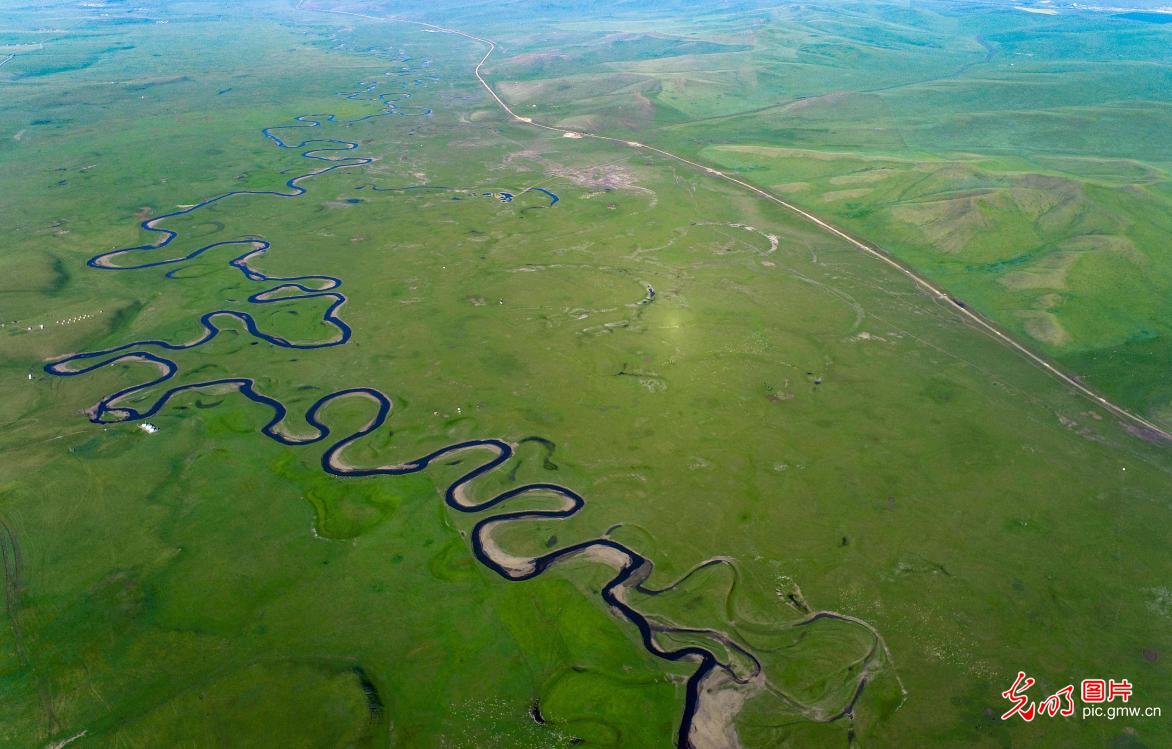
point(385, 377)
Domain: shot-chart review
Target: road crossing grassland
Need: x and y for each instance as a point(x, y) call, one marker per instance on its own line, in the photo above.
point(912, 487)
point(713, 679)
point(970, 316)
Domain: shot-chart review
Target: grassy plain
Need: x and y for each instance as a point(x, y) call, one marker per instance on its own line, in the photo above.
point(1020, 159)
point(849, 442)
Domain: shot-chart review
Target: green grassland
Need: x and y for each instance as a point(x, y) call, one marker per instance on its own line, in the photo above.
point(849, 443)
point(1021, 160)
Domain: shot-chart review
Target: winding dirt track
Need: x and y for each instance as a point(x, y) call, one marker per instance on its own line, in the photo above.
point(940, 294)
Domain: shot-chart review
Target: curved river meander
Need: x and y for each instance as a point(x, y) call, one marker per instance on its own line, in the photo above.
point(632, 568)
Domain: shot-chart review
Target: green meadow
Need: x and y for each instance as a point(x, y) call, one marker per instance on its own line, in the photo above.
point(1019, 159)
point(836, 439)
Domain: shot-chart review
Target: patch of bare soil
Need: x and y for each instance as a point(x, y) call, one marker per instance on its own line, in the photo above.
point(721, 700)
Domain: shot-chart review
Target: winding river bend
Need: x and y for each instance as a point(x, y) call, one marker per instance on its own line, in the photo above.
point(705, 722)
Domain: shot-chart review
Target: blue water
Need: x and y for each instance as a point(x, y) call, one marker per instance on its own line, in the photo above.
point(553, 199)
point(635, 568)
